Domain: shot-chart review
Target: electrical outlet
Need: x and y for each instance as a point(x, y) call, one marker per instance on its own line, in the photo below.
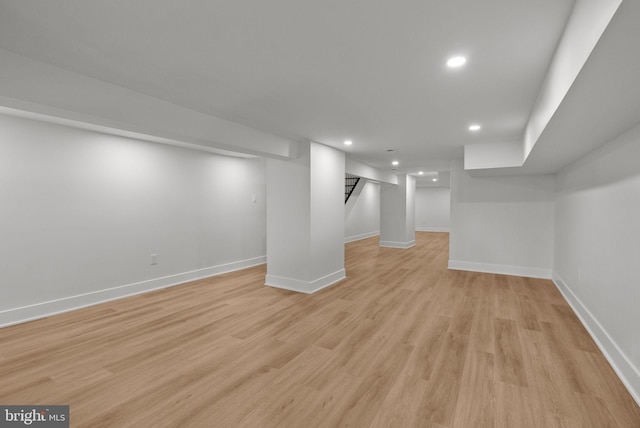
point(154, 259)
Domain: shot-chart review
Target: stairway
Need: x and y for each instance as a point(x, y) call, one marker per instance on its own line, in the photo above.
point(350, 183)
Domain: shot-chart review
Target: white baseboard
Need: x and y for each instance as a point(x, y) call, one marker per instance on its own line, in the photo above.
point(402, 245)
point(526, 271)
point(307, 287)
point(361, 236)
point(66, 304)
point(432, 229)
point(624, 368)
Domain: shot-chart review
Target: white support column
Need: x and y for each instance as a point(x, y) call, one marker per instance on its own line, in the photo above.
point(305, 219)
point(397, 213)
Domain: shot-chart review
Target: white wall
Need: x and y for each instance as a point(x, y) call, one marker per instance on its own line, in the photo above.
point(367, 171)
point(82, 212)
point(397, 213)
point(305, 219)
point(432, 209)
point(587, 22)
point(410, 203)
point(327, 211)
point(35, 86)
point(597, 249)
point(362, 212)
point(502, 224)
point(288, 219)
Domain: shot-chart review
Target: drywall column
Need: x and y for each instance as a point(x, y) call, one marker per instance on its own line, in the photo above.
point(397, 213)
point(305, 219)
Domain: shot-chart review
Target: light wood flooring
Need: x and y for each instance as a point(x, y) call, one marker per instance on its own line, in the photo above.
point(403, 342)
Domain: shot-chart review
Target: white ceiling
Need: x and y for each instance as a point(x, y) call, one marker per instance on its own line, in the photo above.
point(372, 71)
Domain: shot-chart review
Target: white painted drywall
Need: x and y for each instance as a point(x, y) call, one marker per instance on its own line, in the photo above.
point(410, 203)
point(397, 213)
point(362, 212)
point(288, 220)
point(433, 209)
point(367, 171)
point(587, 22)
point(597, 248)
point(32, 85)
point(493, 155)
point(82, 212)
point(502, 224)
point(305, 219)
point(327, 210)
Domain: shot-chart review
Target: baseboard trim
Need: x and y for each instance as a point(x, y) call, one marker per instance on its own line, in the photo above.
point(432, 229)
point(361, 236)
point(66, 304)
point(401, 245)
point(526, 271)
point(624, 368)
point(306, 287)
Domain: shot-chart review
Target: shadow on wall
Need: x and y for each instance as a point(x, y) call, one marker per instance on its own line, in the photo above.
point(613, 162)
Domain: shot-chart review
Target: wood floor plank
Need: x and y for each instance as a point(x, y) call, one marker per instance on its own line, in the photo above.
point(510, 363)
point(402, 342)
point(431, 345)
point(527, 317)
point(439, 404)
point(562, 356)
point(475, 405)
point(482, 335)
point(516, 407)
point(577, 333)
point(462, 320)
point(331, 401)
point(401, 405)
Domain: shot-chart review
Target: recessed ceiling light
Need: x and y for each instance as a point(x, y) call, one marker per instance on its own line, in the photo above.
point(394, 163)
point(474, 127)
point(421, 172)
point(456, 61)
point(434, 179)
point(348, 142)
